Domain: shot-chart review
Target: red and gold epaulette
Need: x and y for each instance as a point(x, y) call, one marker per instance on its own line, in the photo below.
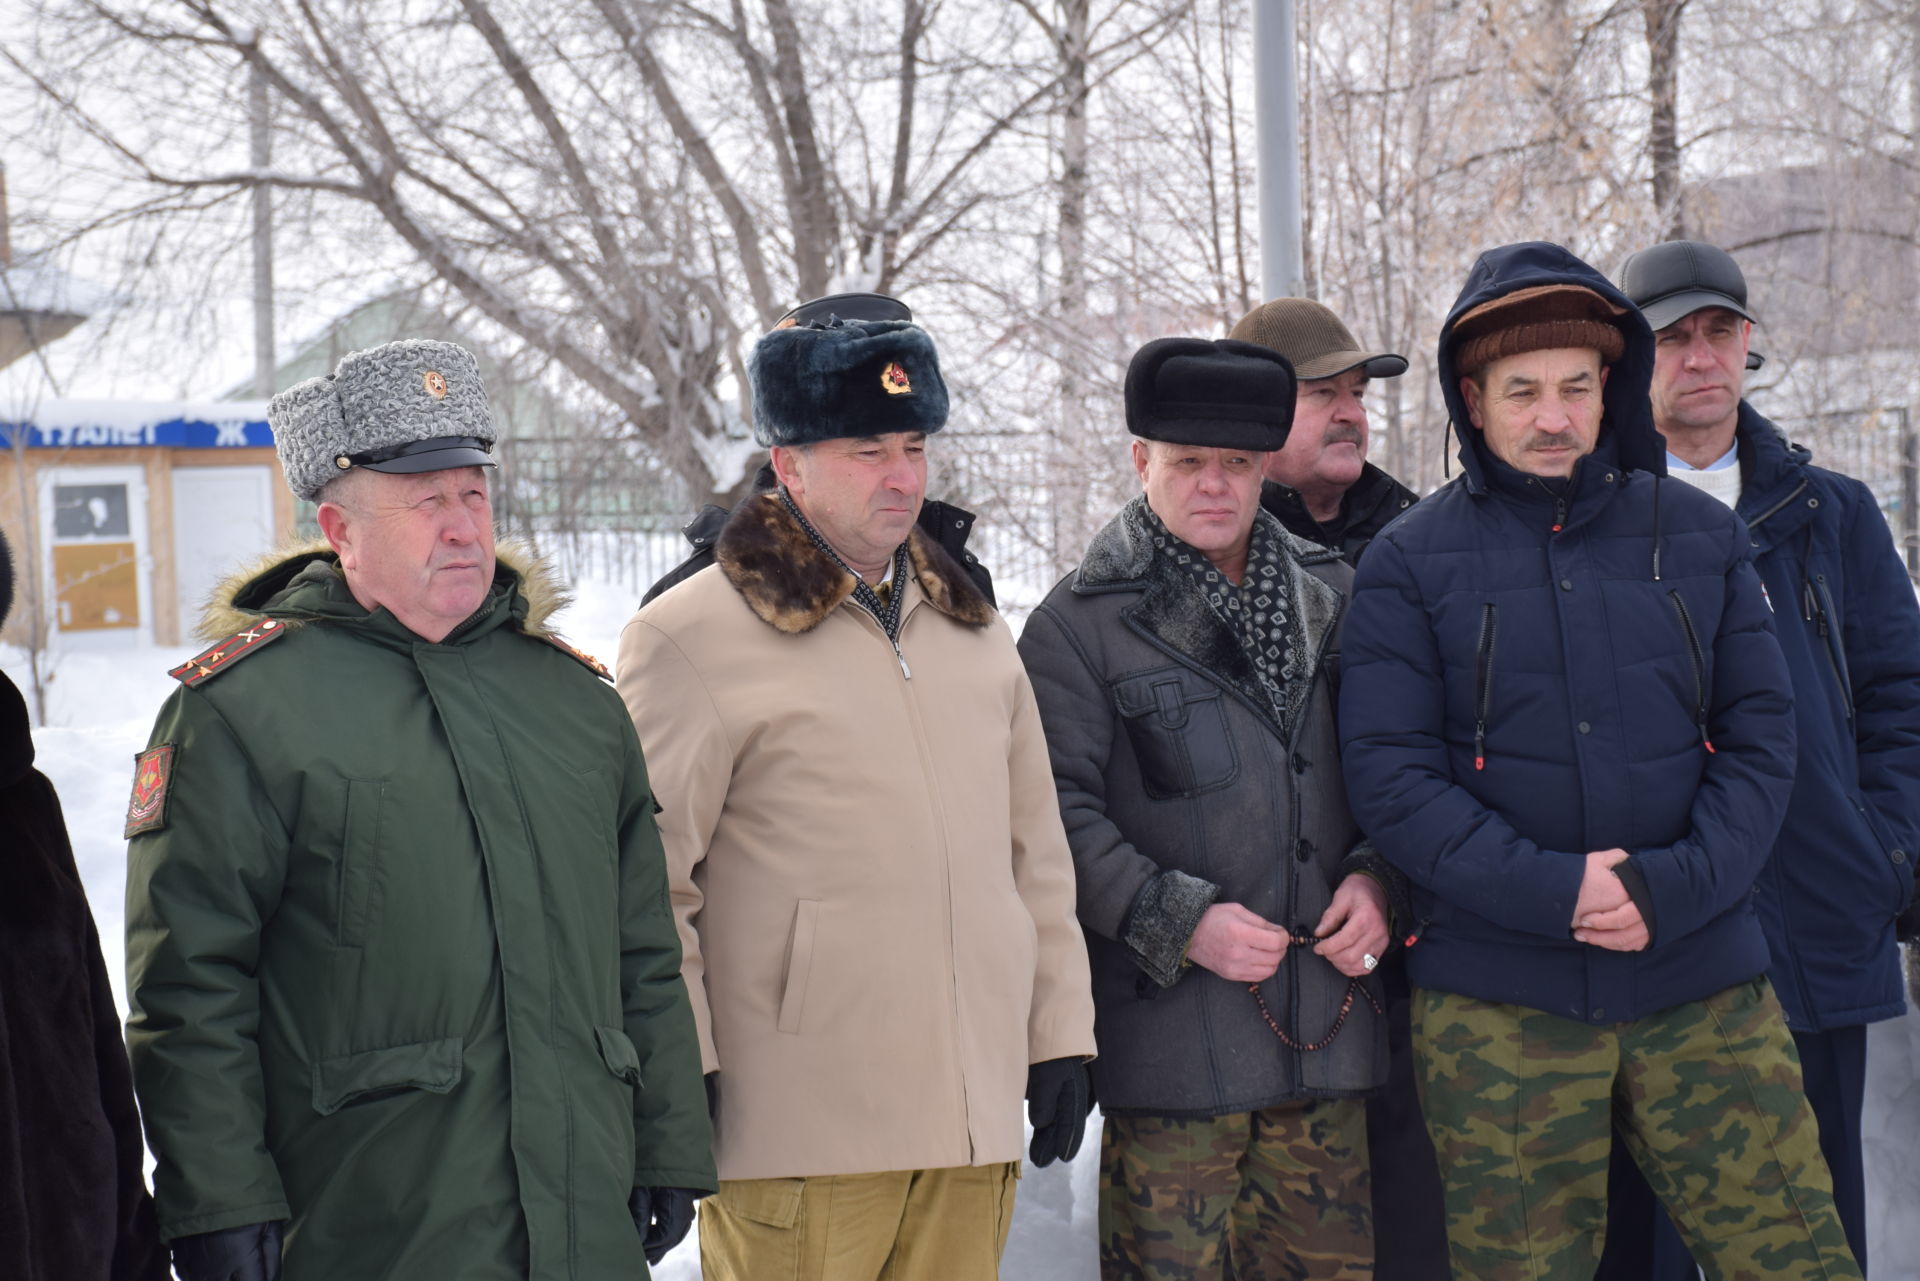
point(581, 657)
point(205, 666)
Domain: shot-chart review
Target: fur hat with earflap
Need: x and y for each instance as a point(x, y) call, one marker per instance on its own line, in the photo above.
point(844, 378)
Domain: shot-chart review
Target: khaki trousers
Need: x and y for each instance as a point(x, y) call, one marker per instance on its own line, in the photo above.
point(908, 1225)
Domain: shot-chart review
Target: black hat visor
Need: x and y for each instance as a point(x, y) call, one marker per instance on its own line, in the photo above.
point(1661, 312)
point(1374, 364)
point(438, 454)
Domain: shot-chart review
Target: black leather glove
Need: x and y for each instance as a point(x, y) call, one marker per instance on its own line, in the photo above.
point(663, 1216)
point(712, 1081)
point(1059, 1095)
point(247, 1253)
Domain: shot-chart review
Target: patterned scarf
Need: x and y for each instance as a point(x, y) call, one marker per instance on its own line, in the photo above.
point(883, 605)
point(1259, 612)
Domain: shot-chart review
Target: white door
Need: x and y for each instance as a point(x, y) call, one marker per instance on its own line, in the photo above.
point(94, 520)
point(222, 518)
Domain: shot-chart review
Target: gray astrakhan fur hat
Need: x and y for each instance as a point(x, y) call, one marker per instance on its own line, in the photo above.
point(409, 406)
point(845, 378)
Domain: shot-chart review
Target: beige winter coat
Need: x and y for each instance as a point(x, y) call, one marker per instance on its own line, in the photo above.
point(872, 885)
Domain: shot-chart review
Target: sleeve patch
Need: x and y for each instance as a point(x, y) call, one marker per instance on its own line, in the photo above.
point(152, 782)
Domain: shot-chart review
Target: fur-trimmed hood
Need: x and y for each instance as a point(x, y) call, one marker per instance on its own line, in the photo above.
point(792, 586)
point(244, 594)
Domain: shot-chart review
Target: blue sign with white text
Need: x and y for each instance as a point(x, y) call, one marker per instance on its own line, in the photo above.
point(177, 433)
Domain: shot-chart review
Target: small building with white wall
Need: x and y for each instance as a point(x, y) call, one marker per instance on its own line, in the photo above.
point(124, 515)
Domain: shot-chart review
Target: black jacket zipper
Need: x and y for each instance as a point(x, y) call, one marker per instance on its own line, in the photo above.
point(1699, 668)
point(1820, 605)
point(1483, 687)
point(1766, 515)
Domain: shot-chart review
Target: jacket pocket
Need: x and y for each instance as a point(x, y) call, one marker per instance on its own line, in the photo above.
point(1899, 874)
point(772, 1202)
point(357, 904)
point(1698, 658)
point(433, 1066)
point(1177, 723)
point(617, 1052)
point(793, 995)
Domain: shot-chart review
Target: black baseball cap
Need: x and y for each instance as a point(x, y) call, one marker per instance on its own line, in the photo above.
point(1673, 280)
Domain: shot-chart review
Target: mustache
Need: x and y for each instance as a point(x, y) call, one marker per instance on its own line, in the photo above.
point(1341, 434)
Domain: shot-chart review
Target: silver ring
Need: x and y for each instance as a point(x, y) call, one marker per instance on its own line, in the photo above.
point(1369, 960)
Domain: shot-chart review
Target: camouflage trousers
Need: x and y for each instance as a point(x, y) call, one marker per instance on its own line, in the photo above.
point(1281, 1194)
point(1707, 1097)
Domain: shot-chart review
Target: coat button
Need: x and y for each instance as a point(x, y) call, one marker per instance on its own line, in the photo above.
point(1585, 728)
point(1600, 1014)
point(1299, 763)
point(1898, 856)
point(1566, 584)
point(1303, 849)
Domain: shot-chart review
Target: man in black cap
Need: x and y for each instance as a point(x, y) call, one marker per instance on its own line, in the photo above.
point(945, 523)
point(399, 951)
point(1184, 674)
point(1320, 484)
point(1842, 867)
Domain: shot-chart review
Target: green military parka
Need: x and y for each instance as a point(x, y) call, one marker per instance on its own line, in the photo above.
point(400, 957)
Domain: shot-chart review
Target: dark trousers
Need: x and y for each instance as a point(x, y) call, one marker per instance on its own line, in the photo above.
point(1642, 1244)
point(1409, 1208)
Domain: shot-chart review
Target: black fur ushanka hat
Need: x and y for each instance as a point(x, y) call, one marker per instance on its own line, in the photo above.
point(845, 378)
point(1220, 394)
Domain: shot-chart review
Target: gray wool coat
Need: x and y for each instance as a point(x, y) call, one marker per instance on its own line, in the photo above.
point(1179, 789)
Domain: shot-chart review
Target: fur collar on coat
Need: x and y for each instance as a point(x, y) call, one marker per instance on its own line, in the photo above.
point(234, 604)
point(793, 586)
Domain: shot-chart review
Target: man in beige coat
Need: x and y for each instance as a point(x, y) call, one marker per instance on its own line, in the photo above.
point(872, 885)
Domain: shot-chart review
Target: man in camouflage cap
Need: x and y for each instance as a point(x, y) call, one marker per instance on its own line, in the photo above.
point(398, 943)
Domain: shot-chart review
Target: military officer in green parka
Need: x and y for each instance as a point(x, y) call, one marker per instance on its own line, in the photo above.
point(405, 987)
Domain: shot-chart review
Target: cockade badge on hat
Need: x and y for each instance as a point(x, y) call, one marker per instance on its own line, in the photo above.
point(894, 379)
point(436, 384)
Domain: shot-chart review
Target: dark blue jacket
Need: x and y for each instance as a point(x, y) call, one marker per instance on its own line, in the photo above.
point(1843, 865)
point(1515, 697)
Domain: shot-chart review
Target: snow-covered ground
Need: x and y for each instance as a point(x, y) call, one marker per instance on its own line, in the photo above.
point(101, 704)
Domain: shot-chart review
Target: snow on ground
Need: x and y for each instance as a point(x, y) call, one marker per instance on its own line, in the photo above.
point(101, 705)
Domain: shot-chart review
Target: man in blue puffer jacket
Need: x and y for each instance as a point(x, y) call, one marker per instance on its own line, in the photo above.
point(1565, 716)
point(1843, 865)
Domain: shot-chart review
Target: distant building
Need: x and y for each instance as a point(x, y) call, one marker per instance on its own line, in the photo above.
point(131, 512)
